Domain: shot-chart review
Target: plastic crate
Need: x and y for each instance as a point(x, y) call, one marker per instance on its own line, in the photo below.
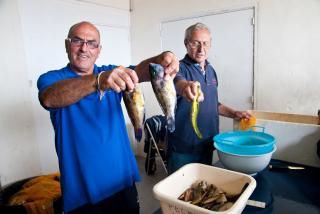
point(169, 189)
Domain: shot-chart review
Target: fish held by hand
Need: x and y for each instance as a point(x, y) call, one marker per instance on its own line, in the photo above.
point(134, 102)
point(165, 92)
point(195, 111)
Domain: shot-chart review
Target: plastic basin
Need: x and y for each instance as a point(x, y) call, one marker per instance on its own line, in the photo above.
point(249, 164)
point(245, 142)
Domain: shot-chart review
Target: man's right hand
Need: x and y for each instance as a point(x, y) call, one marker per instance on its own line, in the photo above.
point(119, 79)
point(188, 89)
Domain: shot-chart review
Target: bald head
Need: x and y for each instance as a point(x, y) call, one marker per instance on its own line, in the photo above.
point(84, 24)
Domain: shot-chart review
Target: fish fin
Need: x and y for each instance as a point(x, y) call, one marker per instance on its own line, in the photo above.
point(138, 134)
point(171, 124)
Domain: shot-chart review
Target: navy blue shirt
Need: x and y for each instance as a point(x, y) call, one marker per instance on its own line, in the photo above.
point(184, 138)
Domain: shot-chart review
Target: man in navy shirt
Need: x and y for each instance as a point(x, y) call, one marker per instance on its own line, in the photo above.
point(98, 169)
point(184, 146)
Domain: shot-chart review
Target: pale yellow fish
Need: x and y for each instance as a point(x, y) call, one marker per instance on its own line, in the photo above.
point(195, 111)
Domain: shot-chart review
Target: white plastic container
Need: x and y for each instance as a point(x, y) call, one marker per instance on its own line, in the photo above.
point(249, 164)
point(169, 189)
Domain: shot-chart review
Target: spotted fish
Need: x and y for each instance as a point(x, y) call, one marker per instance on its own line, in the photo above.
point(134, 102)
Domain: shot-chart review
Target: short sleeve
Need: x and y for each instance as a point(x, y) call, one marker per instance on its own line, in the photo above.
point(47, 79)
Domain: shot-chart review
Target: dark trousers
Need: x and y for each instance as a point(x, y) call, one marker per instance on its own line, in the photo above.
point(176, 160)
point(124, 202)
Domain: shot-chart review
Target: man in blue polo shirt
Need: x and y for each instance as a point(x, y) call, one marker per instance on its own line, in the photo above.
point(98, 169)
point(183, 144)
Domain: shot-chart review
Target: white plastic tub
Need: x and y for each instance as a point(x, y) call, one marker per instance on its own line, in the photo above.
point(169, 189)
point(249, 164)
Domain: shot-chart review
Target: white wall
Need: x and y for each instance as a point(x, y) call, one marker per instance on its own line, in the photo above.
point(19, 155)
point(288, 74)
point(119, 4)
point(33, 39)
point(286, 51)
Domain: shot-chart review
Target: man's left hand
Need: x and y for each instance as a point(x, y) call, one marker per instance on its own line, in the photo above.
point(238, 115)
point(169, 62)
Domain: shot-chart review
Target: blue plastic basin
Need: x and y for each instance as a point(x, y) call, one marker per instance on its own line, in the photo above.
point(243, 151)
point(245, 142)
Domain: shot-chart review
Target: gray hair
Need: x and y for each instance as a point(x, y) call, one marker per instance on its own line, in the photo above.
point(192, 28)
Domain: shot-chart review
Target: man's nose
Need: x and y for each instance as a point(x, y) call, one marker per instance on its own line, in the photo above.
point(200, 48)
point(84, 46)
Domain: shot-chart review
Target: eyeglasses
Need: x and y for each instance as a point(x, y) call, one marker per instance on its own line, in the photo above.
point(197, 44)
point(91, 44)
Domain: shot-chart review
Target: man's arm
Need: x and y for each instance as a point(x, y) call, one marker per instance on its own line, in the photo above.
point(229, 112)
point(188, 90)
point(167, 59)
point(67, 92)
point(121, 78)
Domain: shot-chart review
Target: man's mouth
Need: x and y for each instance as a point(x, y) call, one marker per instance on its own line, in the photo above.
point(83, 56)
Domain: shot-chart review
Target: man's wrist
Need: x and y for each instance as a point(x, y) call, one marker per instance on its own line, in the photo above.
point(164, 52)
point(232, 114)
point(98, 82)
point(98, 85)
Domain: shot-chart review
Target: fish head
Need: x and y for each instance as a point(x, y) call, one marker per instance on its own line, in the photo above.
point(157, 74)
point(156, 71)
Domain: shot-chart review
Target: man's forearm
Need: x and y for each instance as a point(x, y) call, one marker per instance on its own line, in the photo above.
point(180, 86)
point(142, 69)
point(226, 111)
point(167, 59)
point(67, 92)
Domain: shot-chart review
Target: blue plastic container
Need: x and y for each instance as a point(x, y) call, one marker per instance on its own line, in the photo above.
point(245, 142)
point(243, 151)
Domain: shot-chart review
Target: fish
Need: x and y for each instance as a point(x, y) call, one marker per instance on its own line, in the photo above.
point(208, 196)
point(195, 107)
point(165, 92)
point(135, 105)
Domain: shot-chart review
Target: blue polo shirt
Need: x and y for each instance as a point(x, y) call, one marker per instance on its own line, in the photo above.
point(93, 148)
point(184, 138)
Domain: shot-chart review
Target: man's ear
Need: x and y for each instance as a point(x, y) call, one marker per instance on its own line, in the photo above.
point(66, 45)
point(100, 47)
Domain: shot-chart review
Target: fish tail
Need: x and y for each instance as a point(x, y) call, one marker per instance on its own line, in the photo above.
point(138, 134)
point(194, 115)
point(197, 131)
point(171, 124)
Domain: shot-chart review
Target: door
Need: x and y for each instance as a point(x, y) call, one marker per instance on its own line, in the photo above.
point(231, 54)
